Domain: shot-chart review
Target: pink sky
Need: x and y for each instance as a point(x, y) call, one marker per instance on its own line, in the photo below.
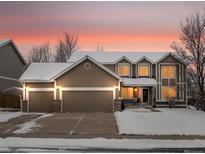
point(117, 26)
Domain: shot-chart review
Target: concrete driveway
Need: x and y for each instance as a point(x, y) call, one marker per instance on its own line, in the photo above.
point(79, 124)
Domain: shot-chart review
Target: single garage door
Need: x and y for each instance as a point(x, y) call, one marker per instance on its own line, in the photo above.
point(40, 101)
point(87, 101)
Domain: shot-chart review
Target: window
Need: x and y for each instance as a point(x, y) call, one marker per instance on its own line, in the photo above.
point(168, 72)
point(168, 75)
point(143, 70)
point(169, 92)
point(130, 92)
point(124, 69)
point(127, 92)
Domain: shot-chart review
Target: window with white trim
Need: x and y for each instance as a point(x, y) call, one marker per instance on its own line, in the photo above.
point(168, 82)
point(124, 69)
point(143, 70)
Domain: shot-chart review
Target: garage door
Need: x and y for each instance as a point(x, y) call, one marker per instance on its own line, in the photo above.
point(87, 101)
point(40, 101)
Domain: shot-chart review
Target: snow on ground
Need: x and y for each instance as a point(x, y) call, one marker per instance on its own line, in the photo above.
point(28, 126)
point(177, 121)
point(57, 143)
point(8, 109)
point(6, 116)
point(138, 110)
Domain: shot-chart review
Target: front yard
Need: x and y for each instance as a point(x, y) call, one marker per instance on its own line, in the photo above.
point(177, 121)
point(6, 116)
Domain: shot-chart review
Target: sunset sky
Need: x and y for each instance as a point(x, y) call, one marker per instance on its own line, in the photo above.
point(117, 26)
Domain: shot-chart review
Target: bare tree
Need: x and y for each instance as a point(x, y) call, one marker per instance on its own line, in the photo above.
point(192, 50)
point(40, 54)
point(66, 47)
point(60, 53)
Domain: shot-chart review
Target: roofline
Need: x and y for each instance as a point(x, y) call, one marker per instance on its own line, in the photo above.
point(18, 52)
point(81, 60)
point(27, 80)
point(144, 57)
point(123, 57)
point(169, 54)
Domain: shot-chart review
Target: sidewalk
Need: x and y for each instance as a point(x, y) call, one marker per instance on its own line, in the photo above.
point(16, 144)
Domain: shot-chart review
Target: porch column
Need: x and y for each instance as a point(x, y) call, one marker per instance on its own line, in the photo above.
point(153, 94)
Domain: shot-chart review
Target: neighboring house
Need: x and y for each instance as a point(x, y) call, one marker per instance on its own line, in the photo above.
point(12, 66)
point(90, 81)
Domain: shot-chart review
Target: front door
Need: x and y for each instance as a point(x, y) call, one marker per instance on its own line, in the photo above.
point(145, 95)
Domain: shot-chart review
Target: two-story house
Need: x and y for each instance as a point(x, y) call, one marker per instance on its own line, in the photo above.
point(12, 66)
point(90, 81)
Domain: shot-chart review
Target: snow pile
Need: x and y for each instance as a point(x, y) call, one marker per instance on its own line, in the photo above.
point(28, 126)
point(191, 107)
point(141, 109)
point(167, 122)
point(63, 144)
point(6, 116)
point(139, 82)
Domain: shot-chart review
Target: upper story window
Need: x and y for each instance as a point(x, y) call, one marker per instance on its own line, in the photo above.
point(168, 72)
point(124, 69)
point(143, 70)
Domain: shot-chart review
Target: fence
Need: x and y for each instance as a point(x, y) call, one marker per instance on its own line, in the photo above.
point(10, 101)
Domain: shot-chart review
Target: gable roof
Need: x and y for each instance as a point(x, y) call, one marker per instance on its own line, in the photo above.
point(113, 57)
point(143, 59)
point(170, 54)
point(5, 42)
point(43, 72)
point(48, 72)
point(92, 60)
point(122, 58)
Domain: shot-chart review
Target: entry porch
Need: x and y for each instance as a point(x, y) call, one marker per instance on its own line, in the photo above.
point(142, 90)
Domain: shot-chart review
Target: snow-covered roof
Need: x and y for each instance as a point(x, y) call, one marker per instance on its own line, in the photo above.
point(48, 72)
point(113, 57)
point(139, 82)
point(2, 42)
point(91, 59)
point(42, 72)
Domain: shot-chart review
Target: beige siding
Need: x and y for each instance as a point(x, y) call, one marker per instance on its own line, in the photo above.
point(40, 85)
point(81, 77)
point(110, 66)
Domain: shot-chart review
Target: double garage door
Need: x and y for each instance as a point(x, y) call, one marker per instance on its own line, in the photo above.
point(73, 101)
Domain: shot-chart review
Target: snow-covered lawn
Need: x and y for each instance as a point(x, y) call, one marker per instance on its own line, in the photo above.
point(178, 121)
point(5, 116)
point(28, 144)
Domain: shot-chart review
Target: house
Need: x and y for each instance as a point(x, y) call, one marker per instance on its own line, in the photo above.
point(12, 66)
point(91, 81)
